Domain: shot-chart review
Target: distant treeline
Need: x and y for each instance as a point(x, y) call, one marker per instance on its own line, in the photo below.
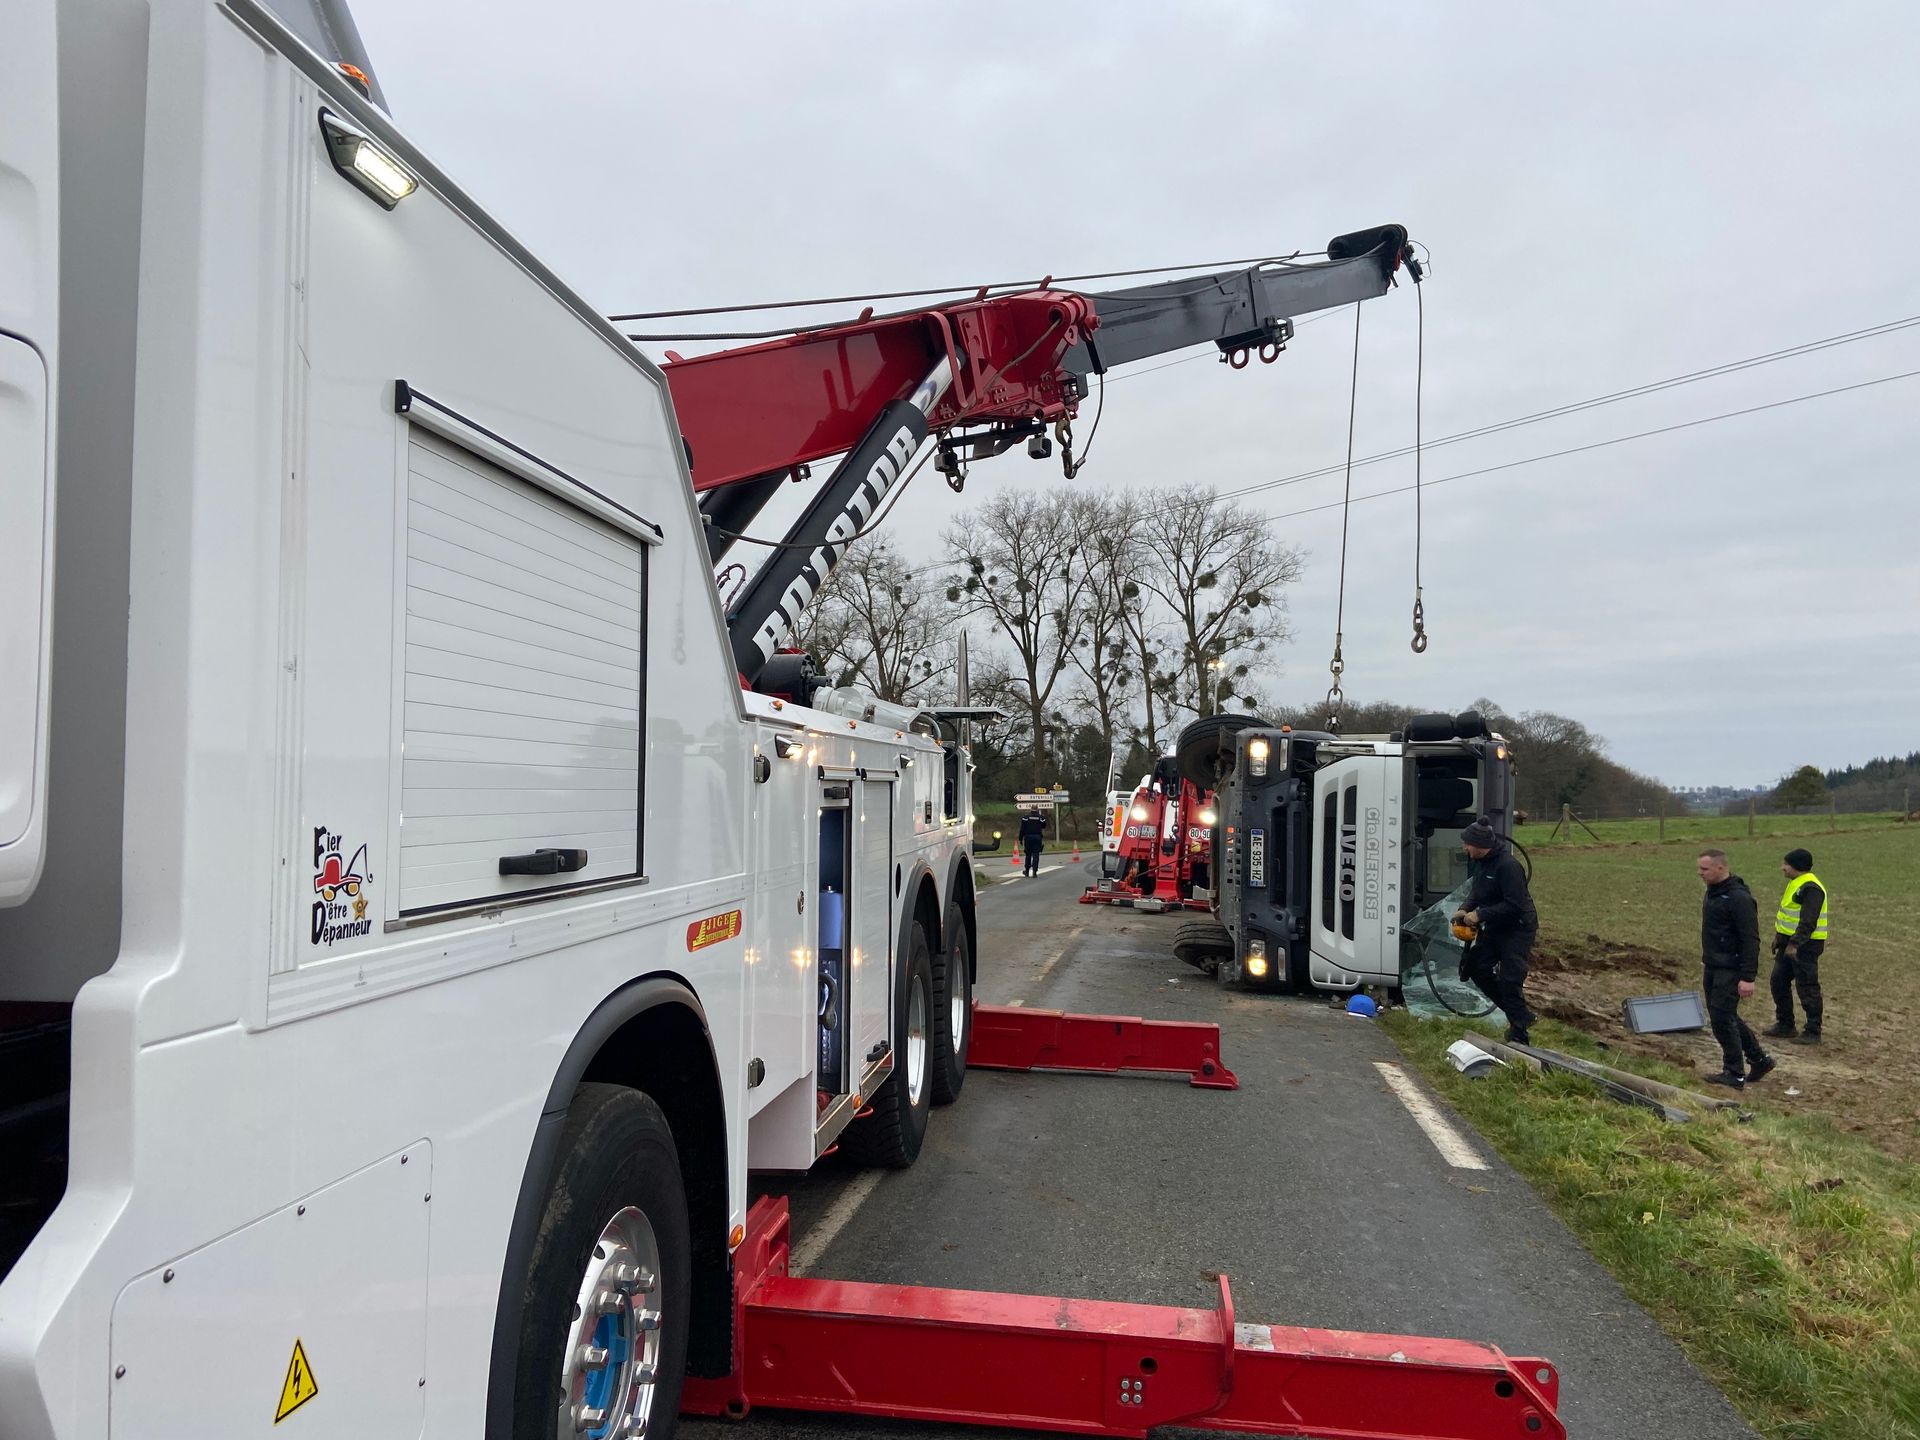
point(1889, 783)
point(1557, 760)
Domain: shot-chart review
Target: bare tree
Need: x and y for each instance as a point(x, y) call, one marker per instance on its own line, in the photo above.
point(1219, 573)
point(825, 628)
point(1147, 638)
point(902, 633)
point(1020, 560)
point(1104, 654)
point(880, 623)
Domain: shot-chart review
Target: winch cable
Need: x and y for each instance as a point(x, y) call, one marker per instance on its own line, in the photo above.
point(1419, 386)
point(1336, 698)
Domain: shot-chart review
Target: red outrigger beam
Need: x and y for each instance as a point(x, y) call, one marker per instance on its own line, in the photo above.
point(1091, 1367)
point(1130, 899)
point(1010, 1037)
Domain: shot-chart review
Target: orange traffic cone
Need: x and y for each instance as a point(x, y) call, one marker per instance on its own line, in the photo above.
point(1076, 849)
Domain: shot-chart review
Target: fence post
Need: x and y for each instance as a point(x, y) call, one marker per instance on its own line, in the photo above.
point(1749, 817)
point(1833, 814)
point(1663, 819)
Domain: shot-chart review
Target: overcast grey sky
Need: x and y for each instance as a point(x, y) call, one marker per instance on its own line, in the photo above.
point(1612, 195)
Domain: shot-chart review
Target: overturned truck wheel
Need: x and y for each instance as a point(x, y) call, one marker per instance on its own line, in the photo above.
point(1203, 944)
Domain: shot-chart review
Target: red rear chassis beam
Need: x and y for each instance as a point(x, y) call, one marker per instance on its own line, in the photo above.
point(1088, 1367)
point(1011, 1037)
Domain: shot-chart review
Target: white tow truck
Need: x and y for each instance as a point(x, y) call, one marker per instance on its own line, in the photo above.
point(412, 931)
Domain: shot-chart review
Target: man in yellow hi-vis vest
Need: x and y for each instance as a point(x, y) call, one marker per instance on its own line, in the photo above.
point(1799, 935)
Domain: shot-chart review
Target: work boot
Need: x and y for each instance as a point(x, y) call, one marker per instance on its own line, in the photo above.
point(1729, 1079)
point(1807, 1037)
point(1518, 1037)
point(1761, 1068)
point(1781, 1030)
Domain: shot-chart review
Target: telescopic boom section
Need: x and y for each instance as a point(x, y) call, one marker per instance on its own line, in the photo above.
point(873, 390)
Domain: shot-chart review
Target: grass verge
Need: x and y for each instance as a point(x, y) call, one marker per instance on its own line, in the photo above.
point(1779, 1252)
point(1620, 920)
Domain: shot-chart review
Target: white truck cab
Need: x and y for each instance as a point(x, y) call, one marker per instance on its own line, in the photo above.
point(1326, 845)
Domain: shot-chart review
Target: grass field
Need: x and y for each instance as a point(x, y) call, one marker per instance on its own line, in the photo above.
point(1779, 1252)
point(1689, 829)
point(1624, 919)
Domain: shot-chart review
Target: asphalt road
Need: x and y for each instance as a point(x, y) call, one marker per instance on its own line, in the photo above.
point(1311, 1186)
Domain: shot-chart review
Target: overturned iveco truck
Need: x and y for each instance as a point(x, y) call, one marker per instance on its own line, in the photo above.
point(1325, 845)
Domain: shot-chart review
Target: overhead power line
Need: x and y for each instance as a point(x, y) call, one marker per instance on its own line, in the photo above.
point(1603, 444)
point(959, 289)
point(1731, 367)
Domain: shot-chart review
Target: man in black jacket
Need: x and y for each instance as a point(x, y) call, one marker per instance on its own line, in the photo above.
point(1500, 908)
point(1033, 835)
point(1730, 959)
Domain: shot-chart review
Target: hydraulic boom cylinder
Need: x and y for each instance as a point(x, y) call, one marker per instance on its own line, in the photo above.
point(765, 614)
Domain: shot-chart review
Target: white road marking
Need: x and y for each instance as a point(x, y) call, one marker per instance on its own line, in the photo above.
point(1045, 972)
point(806, 1253)
point(1043, 870)
point(1451, 1144)
point(802, 1257)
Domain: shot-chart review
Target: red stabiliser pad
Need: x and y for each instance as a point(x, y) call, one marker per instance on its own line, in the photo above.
point(1010, 1037)
point(1091, 1367)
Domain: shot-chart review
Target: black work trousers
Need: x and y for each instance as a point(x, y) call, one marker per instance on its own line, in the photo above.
point(1799, 971)
point(1497, 965)
point(1032, 867)
point(1738, 1045)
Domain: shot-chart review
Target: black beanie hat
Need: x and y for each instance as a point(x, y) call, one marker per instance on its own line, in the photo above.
point(1480, 834)
point(1799, 859)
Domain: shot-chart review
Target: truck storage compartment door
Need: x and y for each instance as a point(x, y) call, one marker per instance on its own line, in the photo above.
point(873, 911)
point(29, 325)
point(1357, 839)
point(26, 613)
point(523, 687)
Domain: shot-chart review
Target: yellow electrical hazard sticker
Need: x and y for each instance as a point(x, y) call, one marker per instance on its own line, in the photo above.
point(299, 1386)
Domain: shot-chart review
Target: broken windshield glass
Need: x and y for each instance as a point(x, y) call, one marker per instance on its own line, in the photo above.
point(1430, 963)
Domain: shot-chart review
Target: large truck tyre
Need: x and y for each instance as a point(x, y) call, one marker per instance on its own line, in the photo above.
point(953, 1006)
point(603, 1333)
point(890, 1136)
point(1202, 746)
point(1204, 944)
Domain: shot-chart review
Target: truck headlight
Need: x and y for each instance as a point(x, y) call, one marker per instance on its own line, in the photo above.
point(1209, 819)
point(1257, 959)
point(1139, 812)
point(1257, 751)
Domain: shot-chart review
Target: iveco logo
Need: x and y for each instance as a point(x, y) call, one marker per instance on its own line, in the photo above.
point(1356, 882)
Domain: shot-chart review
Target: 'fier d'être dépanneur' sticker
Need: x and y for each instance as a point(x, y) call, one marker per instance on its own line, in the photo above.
point(339, 890)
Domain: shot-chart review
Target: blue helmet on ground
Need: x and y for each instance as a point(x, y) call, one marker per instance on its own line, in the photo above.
point(1363, 1006)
